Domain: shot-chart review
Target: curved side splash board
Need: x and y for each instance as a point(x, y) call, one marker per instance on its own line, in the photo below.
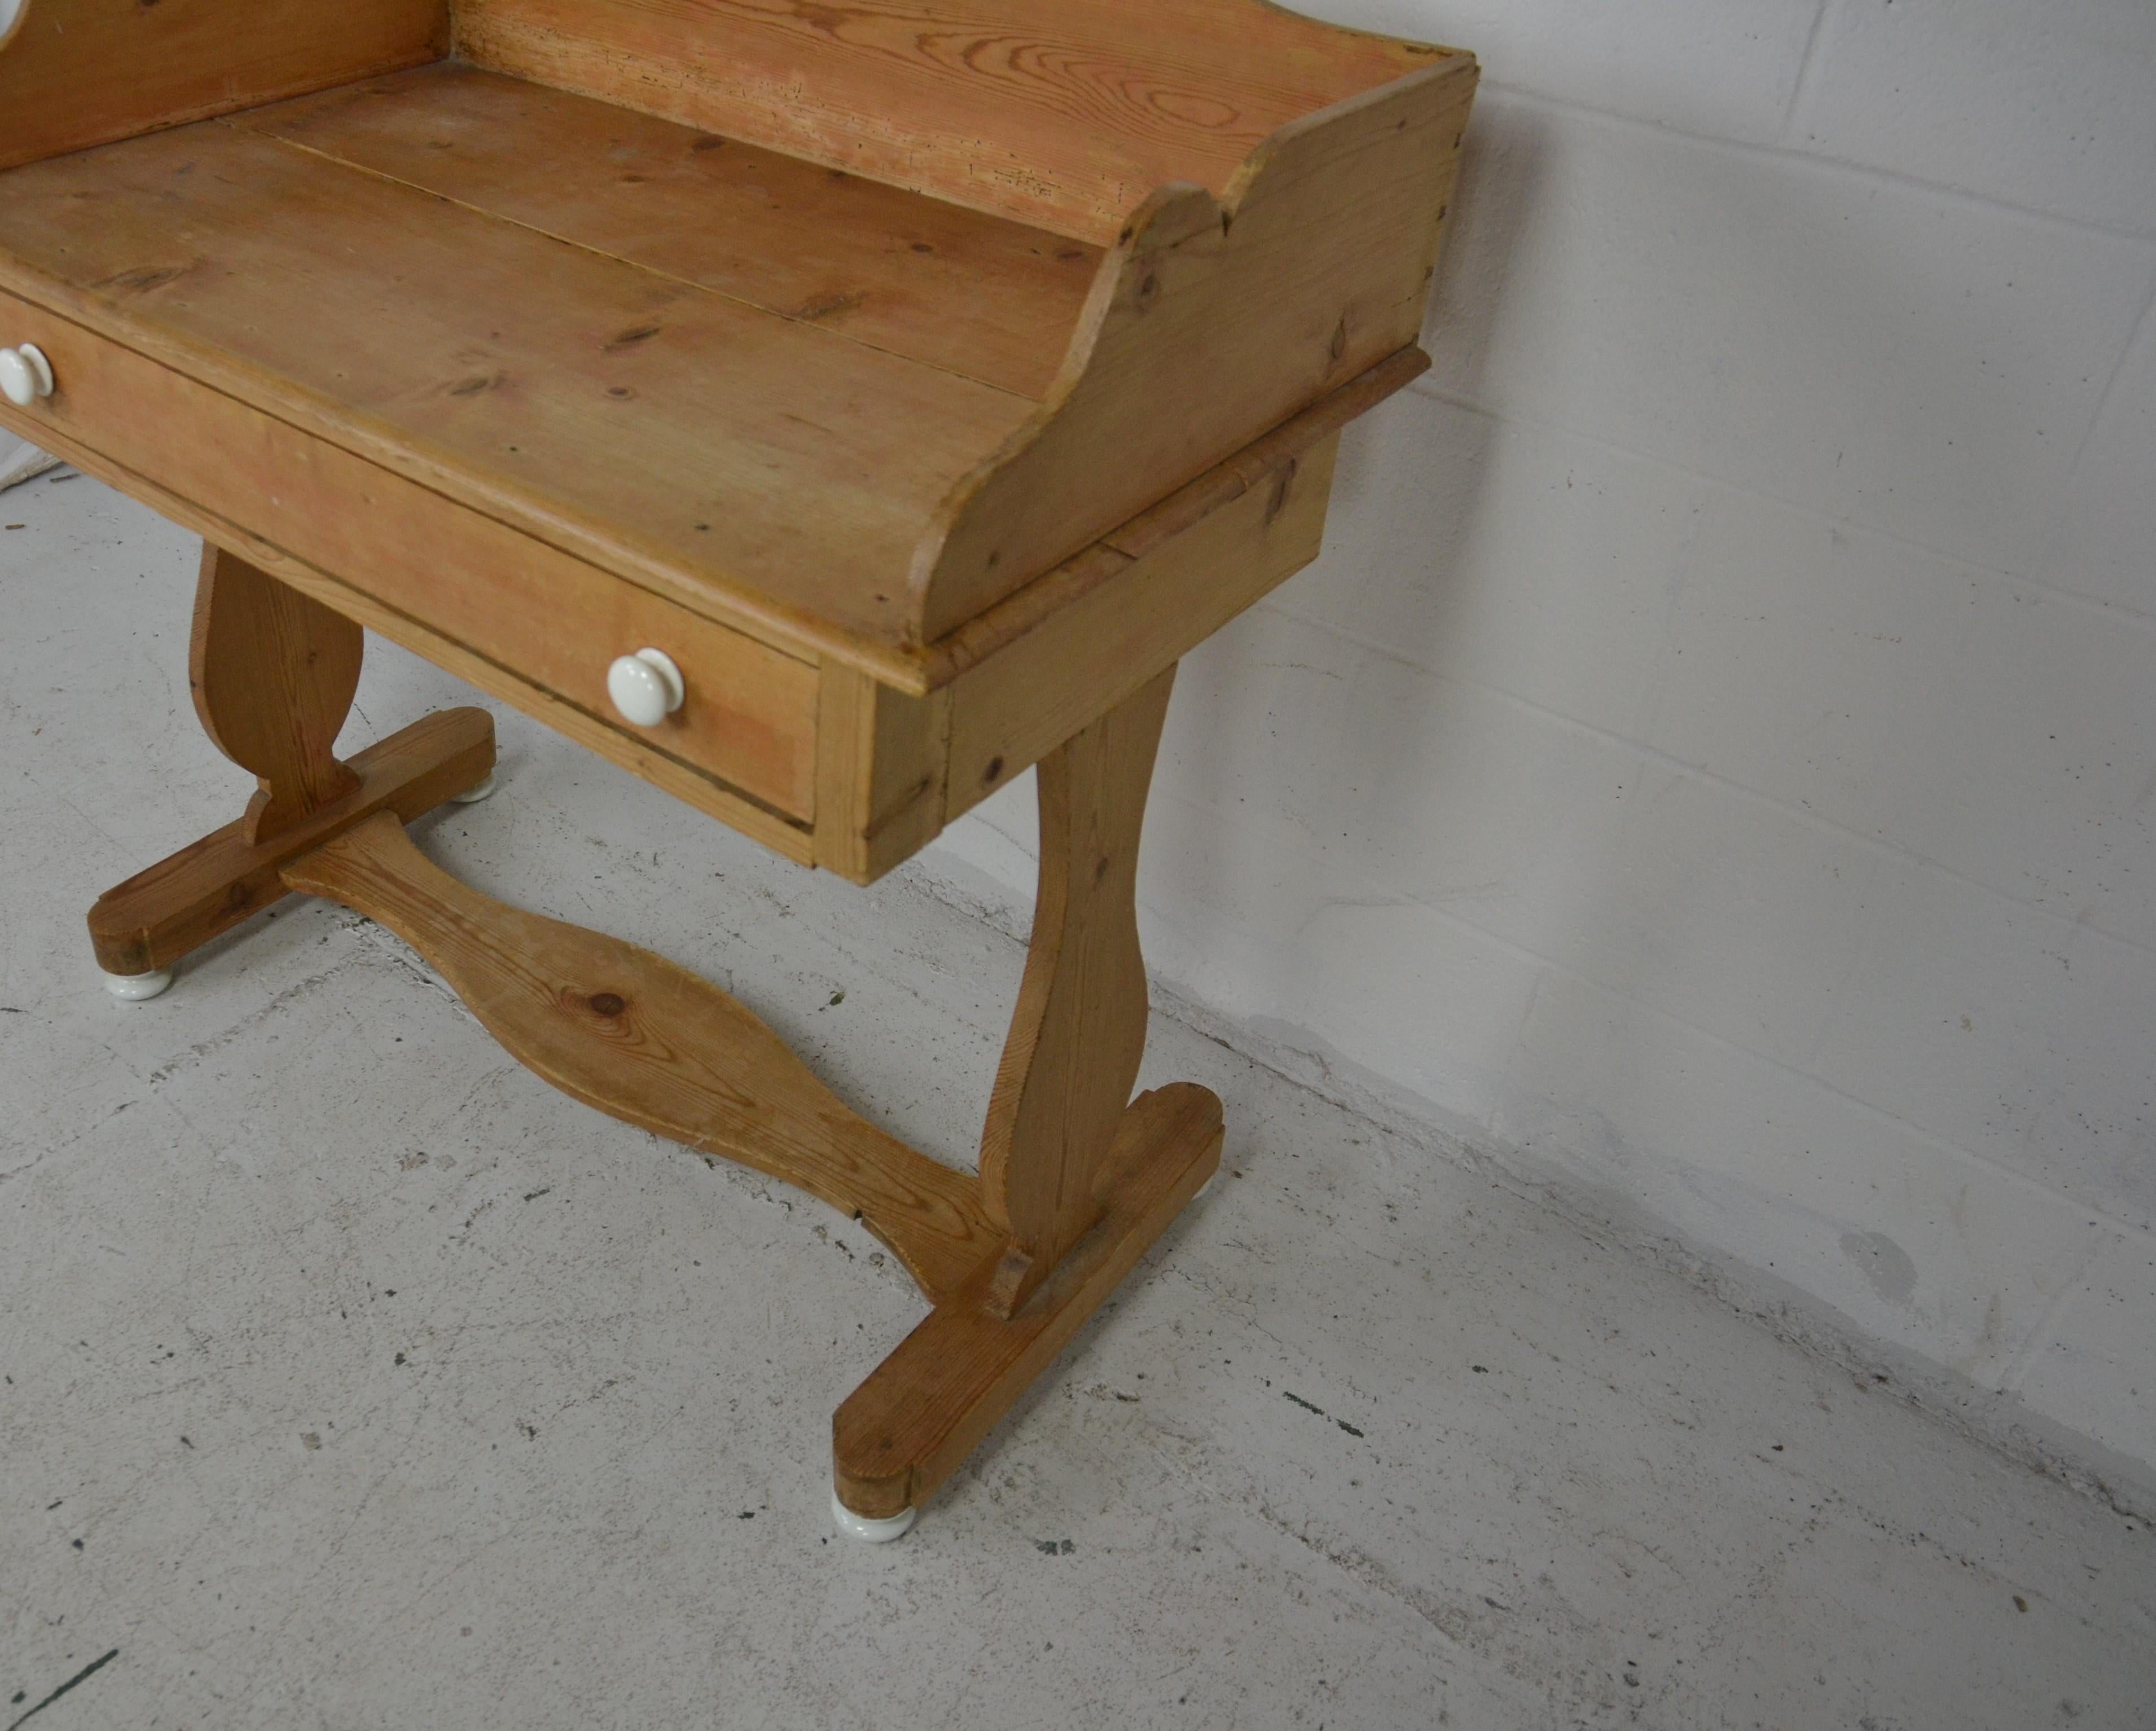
point(1211, 321)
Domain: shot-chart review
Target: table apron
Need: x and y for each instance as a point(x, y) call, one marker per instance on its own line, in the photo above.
point(516, 616)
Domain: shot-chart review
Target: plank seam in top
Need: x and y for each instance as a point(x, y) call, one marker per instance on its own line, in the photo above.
point(239, 123)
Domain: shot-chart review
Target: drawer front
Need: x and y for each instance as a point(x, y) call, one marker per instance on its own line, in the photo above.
point(540, 614)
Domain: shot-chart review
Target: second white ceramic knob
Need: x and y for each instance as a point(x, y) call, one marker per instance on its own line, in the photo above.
point(646, 687)
point(25, 374)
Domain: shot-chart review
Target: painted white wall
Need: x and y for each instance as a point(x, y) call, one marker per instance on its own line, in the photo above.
point(1715, 760)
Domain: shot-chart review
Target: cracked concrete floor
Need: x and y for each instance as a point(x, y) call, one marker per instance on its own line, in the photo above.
point(354, 1378)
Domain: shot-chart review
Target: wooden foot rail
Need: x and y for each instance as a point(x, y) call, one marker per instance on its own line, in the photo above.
point(274, 674)
point(911, 1425)
point(1076, 1178)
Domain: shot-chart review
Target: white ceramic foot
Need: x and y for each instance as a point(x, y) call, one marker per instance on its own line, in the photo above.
point(134, 987)
point(479, 791)
point(867, 1528)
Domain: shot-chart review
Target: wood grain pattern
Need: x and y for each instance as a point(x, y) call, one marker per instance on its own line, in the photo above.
point(1238, 311)
point(1013, 708)
point(83, 72)
point(913, 1423)
point(971, 293)
point(179, 904)
point(660, 430)
point(1066, 113)
point(1032, 609)
point(684, 782)
point(893, 770)
point(765, 471)
point(1078, 1030)
point(1014, 698)
point(881, 755)
point(521, 619)
point(629, 1032)
point(273, 673)
point(917, 483)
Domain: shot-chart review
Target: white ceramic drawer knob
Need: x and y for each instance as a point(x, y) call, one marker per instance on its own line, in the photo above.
point(646, 687)
point(25, 374)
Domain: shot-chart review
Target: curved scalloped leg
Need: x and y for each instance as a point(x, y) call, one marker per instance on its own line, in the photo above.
point(138, 988)
point(1078, 1032)
point(478, 791)
point(868, 1528)
point(1082, 1177)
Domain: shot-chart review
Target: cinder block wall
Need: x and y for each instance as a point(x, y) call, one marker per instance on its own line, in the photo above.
point(1715, 760)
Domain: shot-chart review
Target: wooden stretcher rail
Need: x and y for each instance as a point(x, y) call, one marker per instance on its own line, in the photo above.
point(631, 1034)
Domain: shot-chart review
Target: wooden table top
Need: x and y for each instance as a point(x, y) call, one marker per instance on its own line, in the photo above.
point(729, 365)
point(853, 415)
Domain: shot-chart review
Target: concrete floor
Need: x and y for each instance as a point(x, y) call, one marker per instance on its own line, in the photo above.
point(355, 1379)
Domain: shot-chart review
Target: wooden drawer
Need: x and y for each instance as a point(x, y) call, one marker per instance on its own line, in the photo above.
point(520, 618)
